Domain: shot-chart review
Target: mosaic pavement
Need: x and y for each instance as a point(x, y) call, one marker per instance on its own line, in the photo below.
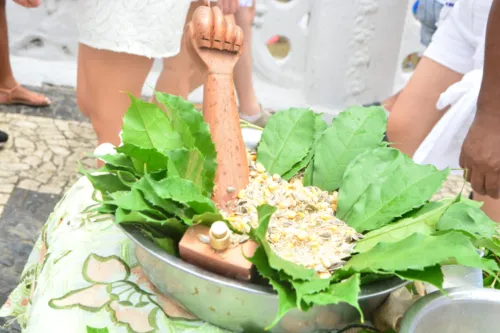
point(39, 164)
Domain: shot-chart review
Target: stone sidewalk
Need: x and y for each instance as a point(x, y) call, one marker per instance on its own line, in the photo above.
point(39, 164)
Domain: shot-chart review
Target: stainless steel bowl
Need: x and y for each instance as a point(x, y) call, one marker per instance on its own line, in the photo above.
point(239, 306)
point(463, 310)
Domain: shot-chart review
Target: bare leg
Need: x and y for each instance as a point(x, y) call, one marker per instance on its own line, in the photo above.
point(243, 76)
point(103, 77)
point(180, 76)
point(414, 115)
point(9, 89)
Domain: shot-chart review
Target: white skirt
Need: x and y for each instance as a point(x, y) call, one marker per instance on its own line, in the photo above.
point(150, 28)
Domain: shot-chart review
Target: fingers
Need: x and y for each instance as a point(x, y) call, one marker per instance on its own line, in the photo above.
point(201, 26)
point(219, 29)
point(477, 179)
point(209, 29)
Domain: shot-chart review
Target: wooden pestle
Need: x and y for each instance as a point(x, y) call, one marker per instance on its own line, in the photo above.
point(216, 44)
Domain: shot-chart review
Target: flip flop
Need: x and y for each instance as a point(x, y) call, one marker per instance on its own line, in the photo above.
point(16, 96)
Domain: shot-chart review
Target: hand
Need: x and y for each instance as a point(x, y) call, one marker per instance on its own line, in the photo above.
point(481, 154)
point(212, 42)
point(29, 3)
point(228, 7)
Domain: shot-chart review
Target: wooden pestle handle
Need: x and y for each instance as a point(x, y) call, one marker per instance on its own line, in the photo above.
point(216, 43)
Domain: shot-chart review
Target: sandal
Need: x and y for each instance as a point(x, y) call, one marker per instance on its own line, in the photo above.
point(22, 96)
point(264, 116)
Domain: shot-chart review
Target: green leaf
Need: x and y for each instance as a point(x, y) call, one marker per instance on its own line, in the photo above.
point(432, 275)
point(183, 191)
point(188, 164)
point(200, 131)
point(259, 235)
point(320, 127)
point(150, 159)
point(353, 132)
point(146, 126)
point(346, 291)
point(165, 243)
point(418, 252)
point(469, 218)
point(286, 140)
point(171, 103)
point(118, 161)
point(133, 200)
point(104, 182)
point(286, 295)
point(423, 221)
point(383, 184)
point(176, 227)
point(313, 286)
point(97, 330)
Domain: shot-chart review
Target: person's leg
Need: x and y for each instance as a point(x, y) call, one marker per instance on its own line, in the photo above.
point(414, 114)
point(243, 75)
point(10, 91)
point(179, 75)
point(103, 79)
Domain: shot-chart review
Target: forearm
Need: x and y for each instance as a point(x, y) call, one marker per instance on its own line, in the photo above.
point(489, 97)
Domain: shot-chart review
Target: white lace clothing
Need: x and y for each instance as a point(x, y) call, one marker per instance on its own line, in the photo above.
point(151, 28)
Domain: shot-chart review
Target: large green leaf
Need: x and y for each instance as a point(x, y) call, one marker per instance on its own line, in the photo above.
point(106, 183)
point(469, 218)
point(383, 184)
point(352, 133)
point(423, 221)
point(286, 140)
point(133, 200)
point(174, 114)
point(149, 160)
point(145, 186)
point(346, 291)
point(118, 162)
point(432, 275)
point(199, 130)
point(259, 235)
point(176, 227)
point(418, 252)
point(183, 191)
point(146, 126)
point(286, 295)
point(188, 164)
point(319, 127)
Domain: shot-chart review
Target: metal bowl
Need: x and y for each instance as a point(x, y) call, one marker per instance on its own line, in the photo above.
point(462, 310)
point(239, 306)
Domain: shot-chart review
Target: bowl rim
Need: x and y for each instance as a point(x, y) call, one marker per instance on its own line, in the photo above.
point(371, 290)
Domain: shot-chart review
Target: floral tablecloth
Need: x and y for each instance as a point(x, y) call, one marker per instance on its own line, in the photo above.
point(83, 276)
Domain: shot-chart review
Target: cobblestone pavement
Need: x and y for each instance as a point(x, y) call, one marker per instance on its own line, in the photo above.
point(39, 164)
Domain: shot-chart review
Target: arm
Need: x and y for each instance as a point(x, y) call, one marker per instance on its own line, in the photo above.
point(489, 98)
point(481, 148)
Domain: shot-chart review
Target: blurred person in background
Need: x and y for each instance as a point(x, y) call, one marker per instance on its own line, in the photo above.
point(12, 92)
point(467, 42)
point(180, 76)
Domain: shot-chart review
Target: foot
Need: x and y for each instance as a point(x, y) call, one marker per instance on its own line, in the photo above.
point(21, 95)
point(260, 119)
point(29, 3)
point(3, 138)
